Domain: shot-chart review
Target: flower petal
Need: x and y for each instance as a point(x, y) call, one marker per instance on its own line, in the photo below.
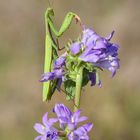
point(84, 129)
point(90, 58)
point(38, 138)
point(59, 62)
point(72, 126)
point(110, 36)
point(58, 73)
point(111, 65)
point(76, 115)
point(47, 76)
point(99, 44)
point(88, 126)
point(39, 128)
point(99, 83)
point(43, 137)
point(62, 111)
point(45, 119)
point(52, 121)
point(83, 118)
point(92, 78)
point(75, 48)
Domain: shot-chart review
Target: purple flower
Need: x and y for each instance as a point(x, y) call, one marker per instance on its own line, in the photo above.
point(90, 56)
point(75, 48)
point(68, 125)
point(100, 51)
point(75, 119)
point(63, 114)
point(80, 133)
point(66, 117)
point(86, 34)
point(112, 65)
point(60, 61)
point(70, 122)
point(46, 131)
point(93, 79)
point(55, 74)
point(58, 70)
point(110, 36)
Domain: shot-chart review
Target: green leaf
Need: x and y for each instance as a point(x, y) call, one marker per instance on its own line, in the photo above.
point(69, 86)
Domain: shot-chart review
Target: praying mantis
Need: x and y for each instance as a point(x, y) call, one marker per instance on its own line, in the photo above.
point(52, 46)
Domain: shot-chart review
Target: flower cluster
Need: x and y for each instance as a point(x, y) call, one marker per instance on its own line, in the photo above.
point(99, 51)
point(81, 63)
point(90, 51)
point(68, 125)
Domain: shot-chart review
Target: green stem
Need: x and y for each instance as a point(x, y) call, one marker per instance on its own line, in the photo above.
point(79, 80)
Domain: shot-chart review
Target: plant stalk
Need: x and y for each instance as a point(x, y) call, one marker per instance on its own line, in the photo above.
point(79, 80)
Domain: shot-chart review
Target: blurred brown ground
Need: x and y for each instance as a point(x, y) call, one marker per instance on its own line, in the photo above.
point(114, 109)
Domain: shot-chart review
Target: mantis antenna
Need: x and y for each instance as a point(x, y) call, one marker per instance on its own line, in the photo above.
point(50, 4)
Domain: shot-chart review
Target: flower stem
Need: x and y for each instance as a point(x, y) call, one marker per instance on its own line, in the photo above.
point(79, 80)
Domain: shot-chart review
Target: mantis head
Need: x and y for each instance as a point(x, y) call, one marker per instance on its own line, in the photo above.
point(50, 12)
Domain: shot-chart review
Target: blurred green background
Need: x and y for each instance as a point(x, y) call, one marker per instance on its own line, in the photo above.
point(114, 109)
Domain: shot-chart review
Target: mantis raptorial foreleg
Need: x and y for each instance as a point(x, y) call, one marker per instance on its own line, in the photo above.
point(51, 46)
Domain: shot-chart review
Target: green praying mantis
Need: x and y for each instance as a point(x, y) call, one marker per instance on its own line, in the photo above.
point(52, 46)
